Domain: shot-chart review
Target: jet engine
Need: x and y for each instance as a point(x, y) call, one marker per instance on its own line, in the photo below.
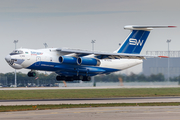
point(68, 60)
point(88, 61)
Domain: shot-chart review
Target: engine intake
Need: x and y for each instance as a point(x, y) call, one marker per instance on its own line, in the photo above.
point(88, 61)
point(68, 60)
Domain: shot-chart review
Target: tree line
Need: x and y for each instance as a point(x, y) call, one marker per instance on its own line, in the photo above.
point(24, 80)
point(50, 79)
point(131, 78)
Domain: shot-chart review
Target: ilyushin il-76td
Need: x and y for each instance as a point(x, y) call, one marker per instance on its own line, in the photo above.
point(76, 64)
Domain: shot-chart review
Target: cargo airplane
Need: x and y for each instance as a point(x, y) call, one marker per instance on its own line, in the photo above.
point(76, 64)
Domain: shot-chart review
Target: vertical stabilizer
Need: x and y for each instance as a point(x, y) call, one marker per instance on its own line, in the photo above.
point(137, 38)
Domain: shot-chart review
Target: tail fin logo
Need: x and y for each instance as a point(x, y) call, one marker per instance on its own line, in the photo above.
point(135, 42)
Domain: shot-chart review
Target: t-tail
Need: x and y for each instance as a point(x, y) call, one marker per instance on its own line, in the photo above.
point(136, 39)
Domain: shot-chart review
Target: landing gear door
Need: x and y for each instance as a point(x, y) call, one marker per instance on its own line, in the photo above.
point(38, 60)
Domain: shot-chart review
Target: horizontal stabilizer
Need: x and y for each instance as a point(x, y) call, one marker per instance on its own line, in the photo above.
point(145, 27)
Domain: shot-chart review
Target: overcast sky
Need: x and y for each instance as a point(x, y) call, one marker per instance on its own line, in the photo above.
point(74, 23)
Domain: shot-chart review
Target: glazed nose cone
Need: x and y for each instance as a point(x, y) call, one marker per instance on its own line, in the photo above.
point(8, 58)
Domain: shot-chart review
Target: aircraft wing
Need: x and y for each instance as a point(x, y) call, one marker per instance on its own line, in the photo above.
point(101, 55)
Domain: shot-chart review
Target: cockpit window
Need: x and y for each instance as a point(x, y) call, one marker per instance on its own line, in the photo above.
point(15, 52)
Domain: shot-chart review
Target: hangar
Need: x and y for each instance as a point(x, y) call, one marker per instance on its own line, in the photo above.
point(161, 65)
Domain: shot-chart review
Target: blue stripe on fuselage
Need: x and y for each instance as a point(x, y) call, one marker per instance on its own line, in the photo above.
point(67, 69)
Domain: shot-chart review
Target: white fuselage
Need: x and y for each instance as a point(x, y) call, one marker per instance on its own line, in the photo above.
point(48, 60)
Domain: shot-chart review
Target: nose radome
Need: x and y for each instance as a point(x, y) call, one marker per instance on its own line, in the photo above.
point(8, 58)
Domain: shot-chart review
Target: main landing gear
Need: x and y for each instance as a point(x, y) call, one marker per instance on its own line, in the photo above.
point(31, 74)
point(71, 78)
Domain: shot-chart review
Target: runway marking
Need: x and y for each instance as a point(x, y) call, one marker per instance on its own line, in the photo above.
point(54, 113)
point(77, 112)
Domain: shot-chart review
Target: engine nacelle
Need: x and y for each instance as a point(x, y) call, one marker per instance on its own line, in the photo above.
point(88, 61)
point(68, 60)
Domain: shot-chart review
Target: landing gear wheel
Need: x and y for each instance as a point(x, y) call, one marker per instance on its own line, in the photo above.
point(31, 74)
point(86, 78)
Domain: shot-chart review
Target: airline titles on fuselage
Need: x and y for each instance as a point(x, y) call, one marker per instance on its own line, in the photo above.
point(36, 53)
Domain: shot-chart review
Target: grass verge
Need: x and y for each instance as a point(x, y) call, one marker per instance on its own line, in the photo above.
point(63, 106)
point(87, 93)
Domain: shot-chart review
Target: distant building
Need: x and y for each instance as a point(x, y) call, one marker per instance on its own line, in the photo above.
point(160, 65)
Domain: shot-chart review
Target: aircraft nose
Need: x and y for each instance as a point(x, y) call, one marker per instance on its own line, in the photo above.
point(8, 58)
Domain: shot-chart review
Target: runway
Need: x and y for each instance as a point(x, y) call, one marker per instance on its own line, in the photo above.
point(99, 113)
point(90, 101)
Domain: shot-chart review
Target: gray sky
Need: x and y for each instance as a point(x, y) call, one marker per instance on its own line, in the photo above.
point(74, 23)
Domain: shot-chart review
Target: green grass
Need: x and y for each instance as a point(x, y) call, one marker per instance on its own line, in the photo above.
point(62, 106)
point(84, 93)
point(87, 93)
